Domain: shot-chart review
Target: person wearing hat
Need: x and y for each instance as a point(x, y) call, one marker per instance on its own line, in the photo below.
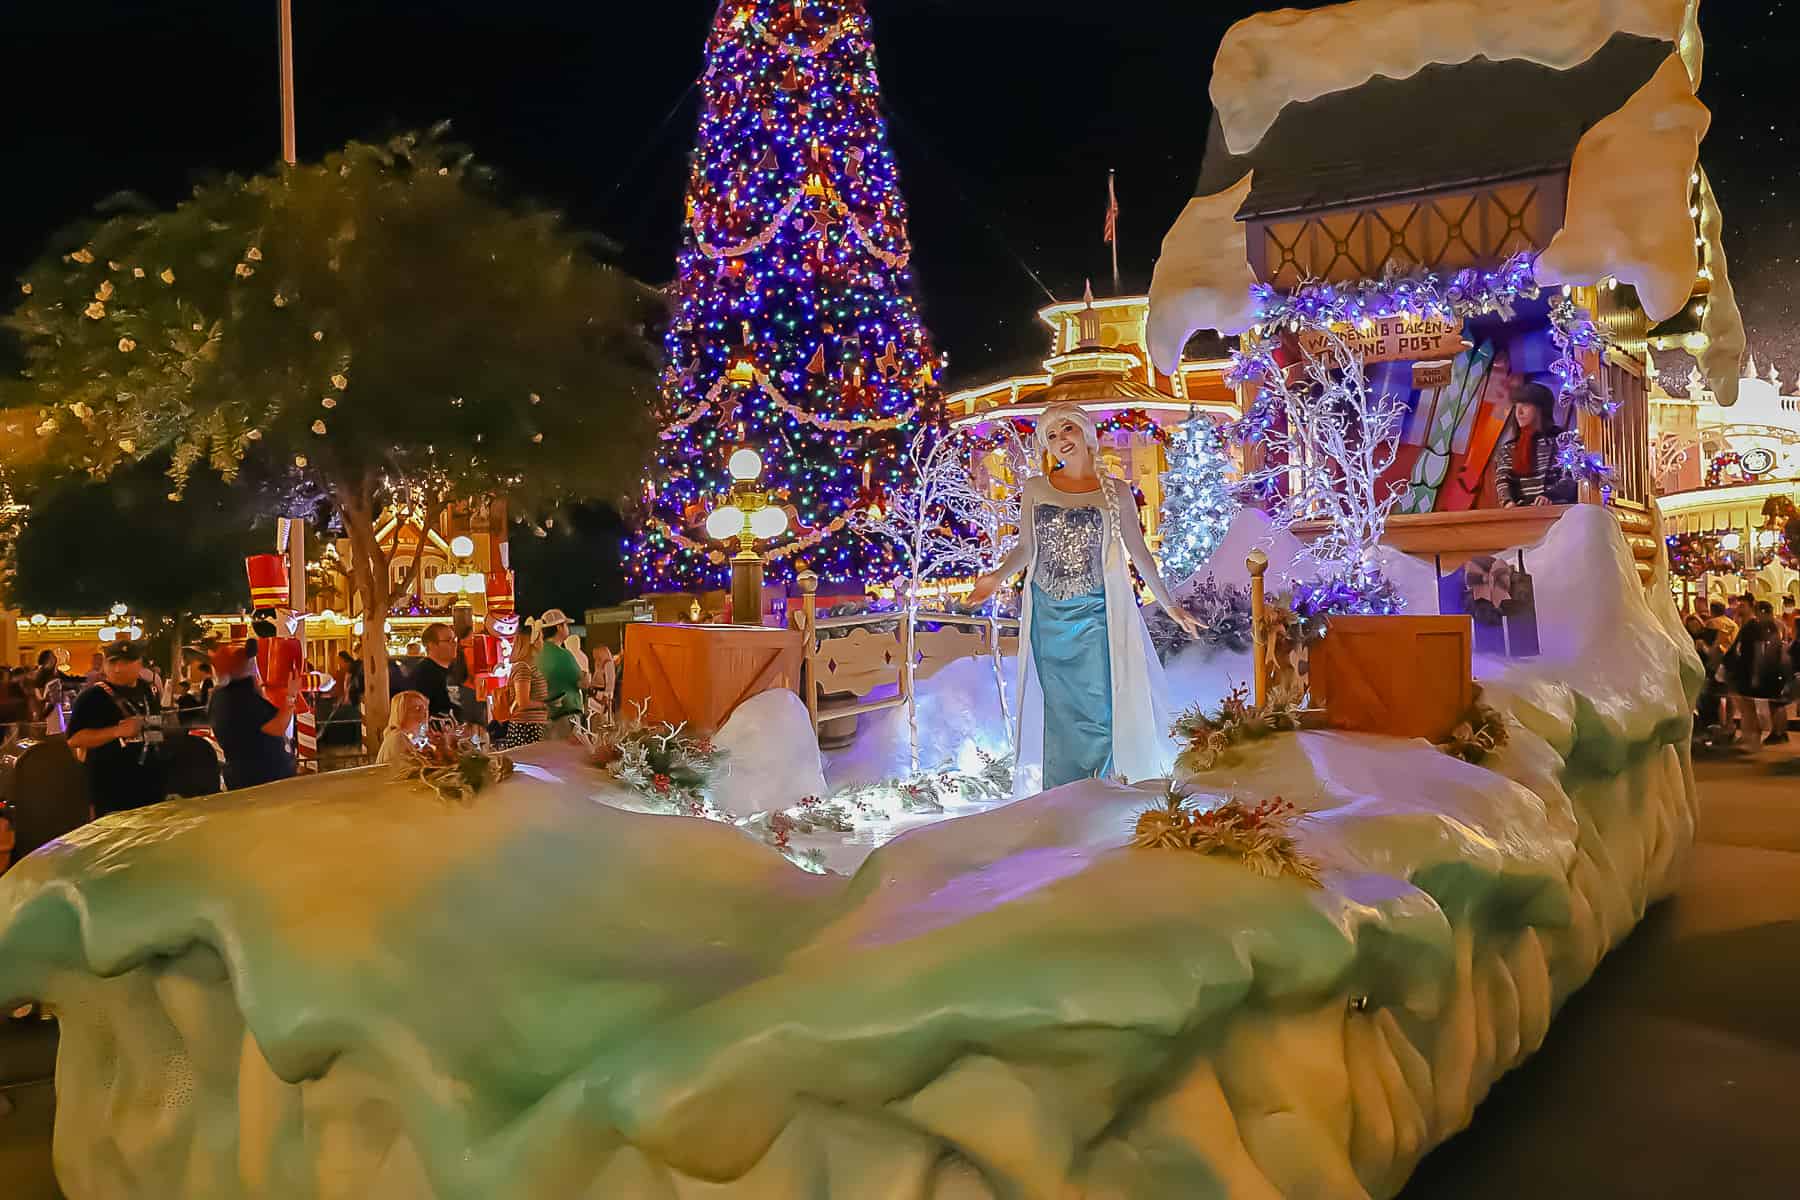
point(249, 729)
point(562, 674)
point(1526, 473)
point(107, 727)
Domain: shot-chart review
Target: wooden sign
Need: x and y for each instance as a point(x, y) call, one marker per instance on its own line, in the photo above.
point(1427, 376)
point(1393, 339)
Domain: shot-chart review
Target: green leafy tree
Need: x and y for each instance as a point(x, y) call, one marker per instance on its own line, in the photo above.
point(383, 322)
point(82, 545)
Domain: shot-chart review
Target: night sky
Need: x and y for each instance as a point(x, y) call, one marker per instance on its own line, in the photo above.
point(1005, 116)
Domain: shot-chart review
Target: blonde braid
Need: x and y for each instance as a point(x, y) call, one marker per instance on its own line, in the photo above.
point(1112, 508)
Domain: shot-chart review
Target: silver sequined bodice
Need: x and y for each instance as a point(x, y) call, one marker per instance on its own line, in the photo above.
point(1069, 545)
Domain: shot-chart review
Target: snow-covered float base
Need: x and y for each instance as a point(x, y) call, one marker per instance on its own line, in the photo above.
point(342, 988)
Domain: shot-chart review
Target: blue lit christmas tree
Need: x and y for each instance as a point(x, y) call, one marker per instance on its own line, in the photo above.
point(796, 330)
point(1197, 505)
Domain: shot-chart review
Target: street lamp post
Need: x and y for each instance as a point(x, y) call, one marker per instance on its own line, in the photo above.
point(284, 16)
point(463, 580)
point(747, 515)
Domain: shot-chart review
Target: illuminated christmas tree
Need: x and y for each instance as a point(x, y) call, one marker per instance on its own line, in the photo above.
point(796, 330)
point(1197, 502)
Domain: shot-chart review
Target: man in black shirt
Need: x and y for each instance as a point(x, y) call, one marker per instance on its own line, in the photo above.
point(431, 678)
point(124, 771)
point(251, 731)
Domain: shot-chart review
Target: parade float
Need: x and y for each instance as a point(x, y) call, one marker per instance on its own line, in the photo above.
point(665, 964)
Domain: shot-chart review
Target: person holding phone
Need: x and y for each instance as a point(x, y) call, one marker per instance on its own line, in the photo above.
point(107, 727)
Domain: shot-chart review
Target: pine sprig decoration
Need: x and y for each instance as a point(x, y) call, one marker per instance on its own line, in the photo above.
point(662, 762)
point(1260, 836)
point(1481, 733)
point(1210, 738)
point(1222, 612)
point(454, 766)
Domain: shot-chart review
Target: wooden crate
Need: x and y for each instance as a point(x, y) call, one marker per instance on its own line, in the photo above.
point(1402, 676)
point(699, 674)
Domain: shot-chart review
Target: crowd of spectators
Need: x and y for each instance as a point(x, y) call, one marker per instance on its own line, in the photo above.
point(1751, 652)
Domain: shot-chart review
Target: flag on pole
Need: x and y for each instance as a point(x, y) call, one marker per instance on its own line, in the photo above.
point(1111, 237)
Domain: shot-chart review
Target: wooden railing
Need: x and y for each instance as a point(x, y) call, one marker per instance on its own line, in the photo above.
point(1623, 439)
point(855, 656)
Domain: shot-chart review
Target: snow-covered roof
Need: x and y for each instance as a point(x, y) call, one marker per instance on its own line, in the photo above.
point(1274, 59)
point(1386, 137)
point(1634, 170)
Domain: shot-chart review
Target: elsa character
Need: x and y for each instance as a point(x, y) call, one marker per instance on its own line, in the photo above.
point(1093, 700)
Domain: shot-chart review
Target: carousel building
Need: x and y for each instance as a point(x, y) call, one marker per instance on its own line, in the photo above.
point(1729, 480)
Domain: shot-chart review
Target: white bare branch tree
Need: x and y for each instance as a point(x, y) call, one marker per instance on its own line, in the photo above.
point(993, 508)
point(1327, 439)
point(920, 522)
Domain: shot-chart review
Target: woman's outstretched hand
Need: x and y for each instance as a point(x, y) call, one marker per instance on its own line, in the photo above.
point(984, 589)
point(1187, 621)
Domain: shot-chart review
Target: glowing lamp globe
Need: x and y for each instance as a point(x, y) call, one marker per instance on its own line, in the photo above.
point(746, 465)
point(474, 581)
point(725, 523)
point(108, 634)
point(462, 546)
point(1731, 541)
point(118, 610)
point(448, 584)
point(768, 522)
point(39, 619)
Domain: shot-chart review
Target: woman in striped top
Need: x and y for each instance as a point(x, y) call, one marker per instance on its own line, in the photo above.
point(531, 694)
point(1526, 471)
